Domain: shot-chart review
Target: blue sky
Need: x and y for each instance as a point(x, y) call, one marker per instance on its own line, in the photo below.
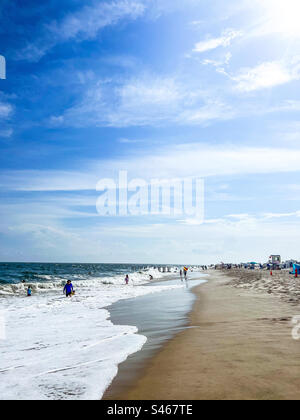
point(163, 89)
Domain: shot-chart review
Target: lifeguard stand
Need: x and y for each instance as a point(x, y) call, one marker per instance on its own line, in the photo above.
point(275, 261)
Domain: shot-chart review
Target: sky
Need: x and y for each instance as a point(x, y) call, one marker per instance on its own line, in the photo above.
point(162, 89)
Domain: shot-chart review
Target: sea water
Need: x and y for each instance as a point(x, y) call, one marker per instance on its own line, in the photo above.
point(59, 348)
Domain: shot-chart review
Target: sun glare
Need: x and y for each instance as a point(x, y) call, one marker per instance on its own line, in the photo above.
point(283, 16)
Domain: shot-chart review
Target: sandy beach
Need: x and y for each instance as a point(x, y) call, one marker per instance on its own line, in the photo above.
point(159, 317)
point(238, 345)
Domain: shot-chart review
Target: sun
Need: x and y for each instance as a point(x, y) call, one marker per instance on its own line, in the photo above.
point(282, 16)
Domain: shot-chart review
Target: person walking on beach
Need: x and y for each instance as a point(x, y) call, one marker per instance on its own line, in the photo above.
point(68, 289)
point(127, 279)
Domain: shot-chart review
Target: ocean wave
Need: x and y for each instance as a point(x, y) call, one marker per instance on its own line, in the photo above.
point(58, 348)
point(46, 282)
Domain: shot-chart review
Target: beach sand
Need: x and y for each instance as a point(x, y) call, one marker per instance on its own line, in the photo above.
point(159, 317)
point(238, 346)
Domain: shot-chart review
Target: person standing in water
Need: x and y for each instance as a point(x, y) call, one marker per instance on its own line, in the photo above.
point(29, 292)
point(68, 289)
point(181, 275)
point(127, 279)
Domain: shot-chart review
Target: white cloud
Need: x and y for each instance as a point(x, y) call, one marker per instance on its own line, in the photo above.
point(153, 100)
point(217, 240)
point(6, 110)
point(206, 161)
point(267, 75)
point(236, 237)
point(6, 133)
point(213, 43)
point(40, 180)
point(284, 106)
point(244, 219)
point(281, 215)
point(83, 24)
point(218, 63)
point(241, 216)
point(56, 121)
point(156, 91)
point(87, 22)
point(252, 238)
point(125, 140)
point(189, 160)
point(146, 100)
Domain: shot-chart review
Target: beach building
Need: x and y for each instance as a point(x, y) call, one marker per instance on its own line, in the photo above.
point(275, 261)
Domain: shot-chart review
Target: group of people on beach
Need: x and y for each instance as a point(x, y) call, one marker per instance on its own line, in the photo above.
point(183, 273)
point(69, 289)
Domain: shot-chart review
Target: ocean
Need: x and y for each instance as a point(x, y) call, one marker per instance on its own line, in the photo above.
point(57, 348)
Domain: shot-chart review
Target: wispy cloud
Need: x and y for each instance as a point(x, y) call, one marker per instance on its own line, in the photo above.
point(281, 215)
point(219, 64)
point(6, 110)
point(88, 21)
point(287, 131)
point(267, 75)
point(125, 140)
point(82, 25)
point(146, 100)
point(243, 219)
point(212, 43)
point(41, 180)
point(198, 160)
point(6, 132)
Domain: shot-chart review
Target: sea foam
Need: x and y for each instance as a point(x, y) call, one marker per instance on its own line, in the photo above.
point(58, 348)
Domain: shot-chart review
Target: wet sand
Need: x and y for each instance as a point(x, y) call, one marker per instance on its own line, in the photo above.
point(159, 317)
point(238, 346)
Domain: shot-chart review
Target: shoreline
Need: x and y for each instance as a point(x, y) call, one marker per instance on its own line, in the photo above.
point(159, 317)
point(80, 362)
point(238, 346)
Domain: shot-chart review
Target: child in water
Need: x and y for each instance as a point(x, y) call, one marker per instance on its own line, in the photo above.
point(29, 292)
point(68, 289)
point(127, 279)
